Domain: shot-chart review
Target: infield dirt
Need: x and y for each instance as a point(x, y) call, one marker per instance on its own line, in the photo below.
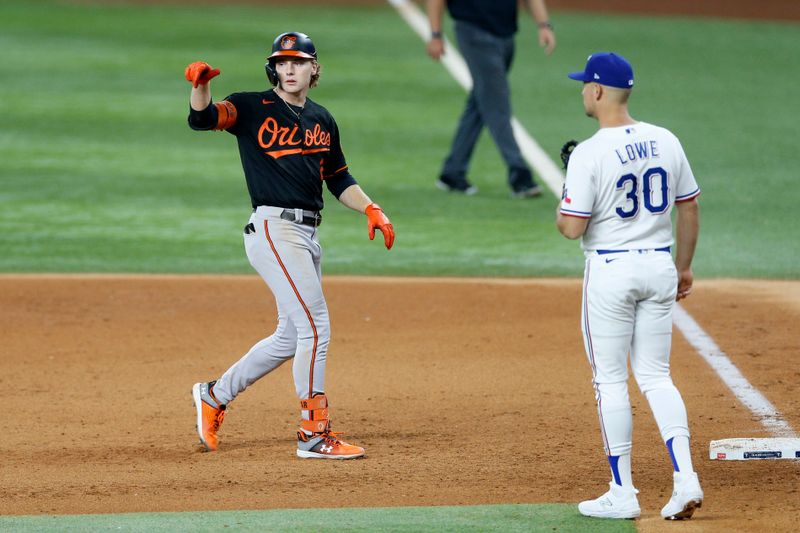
point(461, 391)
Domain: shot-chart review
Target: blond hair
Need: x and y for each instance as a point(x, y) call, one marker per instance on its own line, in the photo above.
point(315, 77)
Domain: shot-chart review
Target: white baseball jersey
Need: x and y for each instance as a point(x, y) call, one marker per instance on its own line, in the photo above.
point(626, 181)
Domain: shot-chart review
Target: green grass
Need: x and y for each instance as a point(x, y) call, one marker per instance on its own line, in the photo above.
point(99, 172)
point(505, 518)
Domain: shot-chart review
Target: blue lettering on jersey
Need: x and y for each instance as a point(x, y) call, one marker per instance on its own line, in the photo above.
point(637, 151)
point(649, 192)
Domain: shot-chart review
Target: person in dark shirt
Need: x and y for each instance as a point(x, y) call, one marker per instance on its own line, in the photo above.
point(289, 146)
point(485, 32)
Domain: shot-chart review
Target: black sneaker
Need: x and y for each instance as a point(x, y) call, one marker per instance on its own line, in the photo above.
point(522, 183)
point(446, 183)
point(532, 191)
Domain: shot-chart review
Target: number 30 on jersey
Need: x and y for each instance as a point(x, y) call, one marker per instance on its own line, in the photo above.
point(655, 189)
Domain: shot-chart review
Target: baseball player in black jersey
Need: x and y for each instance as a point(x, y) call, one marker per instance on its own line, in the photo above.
point(289, 145)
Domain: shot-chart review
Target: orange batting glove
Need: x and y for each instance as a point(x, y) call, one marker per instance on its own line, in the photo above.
point(200, 73)
point(376, 219)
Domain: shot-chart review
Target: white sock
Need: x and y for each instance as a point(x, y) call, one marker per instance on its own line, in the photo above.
point(680, 454)
point(621, 470)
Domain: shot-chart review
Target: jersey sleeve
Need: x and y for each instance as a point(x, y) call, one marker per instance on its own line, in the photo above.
point(203, 120)
point(686, 187)
point(579, 193)
point(334, 168)
point(230, 111)
point(217, 116)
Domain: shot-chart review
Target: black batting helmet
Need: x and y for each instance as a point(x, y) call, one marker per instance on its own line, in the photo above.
point(289, 44)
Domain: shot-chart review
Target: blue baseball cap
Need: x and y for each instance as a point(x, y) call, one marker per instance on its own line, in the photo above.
point(606, 68)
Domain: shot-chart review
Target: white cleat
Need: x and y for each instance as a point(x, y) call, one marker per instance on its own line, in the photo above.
point(686, 497)
point(619, 502)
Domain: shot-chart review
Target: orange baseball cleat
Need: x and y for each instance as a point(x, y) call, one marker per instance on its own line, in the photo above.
point(209, 414)
point(325, 446)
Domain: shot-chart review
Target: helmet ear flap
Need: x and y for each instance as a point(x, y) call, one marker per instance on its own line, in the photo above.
point(272, 75)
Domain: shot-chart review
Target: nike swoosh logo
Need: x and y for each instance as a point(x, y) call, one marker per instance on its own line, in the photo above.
point(609, 260)
point(267, 102)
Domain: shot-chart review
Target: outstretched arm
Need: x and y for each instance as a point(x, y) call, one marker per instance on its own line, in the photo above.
point(687, 229)
point(199, 74)
point(357, 200)
point(203, 115)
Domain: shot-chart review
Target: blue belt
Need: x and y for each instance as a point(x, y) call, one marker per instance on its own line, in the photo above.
point(604, 252)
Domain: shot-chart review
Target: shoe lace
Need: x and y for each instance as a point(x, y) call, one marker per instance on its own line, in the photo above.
point(331, 437)
point(218, 418)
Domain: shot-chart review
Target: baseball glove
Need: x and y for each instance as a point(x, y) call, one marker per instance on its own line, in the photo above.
point(566, 151)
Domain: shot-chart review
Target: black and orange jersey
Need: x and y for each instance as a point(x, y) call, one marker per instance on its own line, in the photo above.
point(286, 151)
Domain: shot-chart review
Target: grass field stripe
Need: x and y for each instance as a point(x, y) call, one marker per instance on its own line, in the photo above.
point(508, 518)
point(455, 65)
point(731, 376)
point(552, 175)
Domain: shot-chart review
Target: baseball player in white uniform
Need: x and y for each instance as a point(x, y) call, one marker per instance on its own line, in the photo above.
point(621, 186)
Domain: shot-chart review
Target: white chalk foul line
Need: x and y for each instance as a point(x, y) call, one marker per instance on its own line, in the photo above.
point(552, 175)
point(731, 376)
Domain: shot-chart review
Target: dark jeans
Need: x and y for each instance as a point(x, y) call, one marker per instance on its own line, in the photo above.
point(488, 58)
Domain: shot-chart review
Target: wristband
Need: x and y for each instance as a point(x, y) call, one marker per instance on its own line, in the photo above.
point(543, 25)
point(436, 35)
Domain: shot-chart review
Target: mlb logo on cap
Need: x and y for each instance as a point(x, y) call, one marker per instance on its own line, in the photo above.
point(606, 68)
